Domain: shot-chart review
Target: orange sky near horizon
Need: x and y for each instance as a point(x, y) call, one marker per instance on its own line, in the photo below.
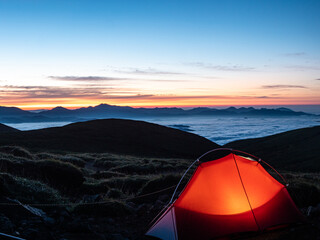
point(203, 101)
point(92, 91)
point(159, 90)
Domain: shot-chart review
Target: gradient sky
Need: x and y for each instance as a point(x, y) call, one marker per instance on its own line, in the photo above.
point(159, 53)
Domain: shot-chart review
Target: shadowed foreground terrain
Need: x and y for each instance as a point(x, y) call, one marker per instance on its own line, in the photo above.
point(89, 195)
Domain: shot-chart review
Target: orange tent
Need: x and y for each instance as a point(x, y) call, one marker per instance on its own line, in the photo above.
point(229, 195)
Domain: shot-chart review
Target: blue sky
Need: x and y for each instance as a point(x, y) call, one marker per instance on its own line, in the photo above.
point(152, 53)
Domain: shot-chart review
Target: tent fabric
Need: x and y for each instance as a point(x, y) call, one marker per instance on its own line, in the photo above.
point(166, 226)
point(230, 195)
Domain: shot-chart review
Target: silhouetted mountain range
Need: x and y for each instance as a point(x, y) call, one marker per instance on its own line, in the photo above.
point(112, 135)
point(16, 115)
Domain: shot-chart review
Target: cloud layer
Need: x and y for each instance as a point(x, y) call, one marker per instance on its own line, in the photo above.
point(21, 93)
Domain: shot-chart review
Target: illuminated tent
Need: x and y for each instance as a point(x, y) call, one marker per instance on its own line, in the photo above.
point(229, 195)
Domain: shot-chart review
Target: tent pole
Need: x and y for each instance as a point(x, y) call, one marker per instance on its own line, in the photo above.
point(7, 236)
point(175, 190)
point(286, 183)
point(213, 150)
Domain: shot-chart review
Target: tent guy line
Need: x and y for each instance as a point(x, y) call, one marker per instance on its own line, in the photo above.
point(88, 203)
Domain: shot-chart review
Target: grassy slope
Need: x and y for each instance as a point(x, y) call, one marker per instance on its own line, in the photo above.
point(85, 177)
point(297, 150)
point(112, 135)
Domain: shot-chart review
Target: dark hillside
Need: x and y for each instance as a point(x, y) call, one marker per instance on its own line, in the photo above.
point(112, 135)
point(5, 128)
point(297, 150)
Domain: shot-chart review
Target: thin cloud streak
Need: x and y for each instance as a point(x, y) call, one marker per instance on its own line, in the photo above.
point(282, 86)
point(85, 78)
point(226, 68)
point(49, 92)
point(90, 79)
point(295, 54)
point(302, 67)
point(137, 96)
point(190, 97)
point(148, 71)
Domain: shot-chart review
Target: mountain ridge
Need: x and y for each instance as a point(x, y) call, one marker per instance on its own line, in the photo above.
point(17, 115)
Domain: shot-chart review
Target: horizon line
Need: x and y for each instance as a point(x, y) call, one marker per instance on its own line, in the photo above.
point(70, 107)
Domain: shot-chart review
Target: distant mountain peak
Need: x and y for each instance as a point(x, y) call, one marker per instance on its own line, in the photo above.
point(283, 109)
point(60, 109)
point(103, 105)
point(13, 111)
point(231, 108)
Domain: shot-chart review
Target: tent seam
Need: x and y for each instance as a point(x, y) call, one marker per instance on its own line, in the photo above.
point(245, 192)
